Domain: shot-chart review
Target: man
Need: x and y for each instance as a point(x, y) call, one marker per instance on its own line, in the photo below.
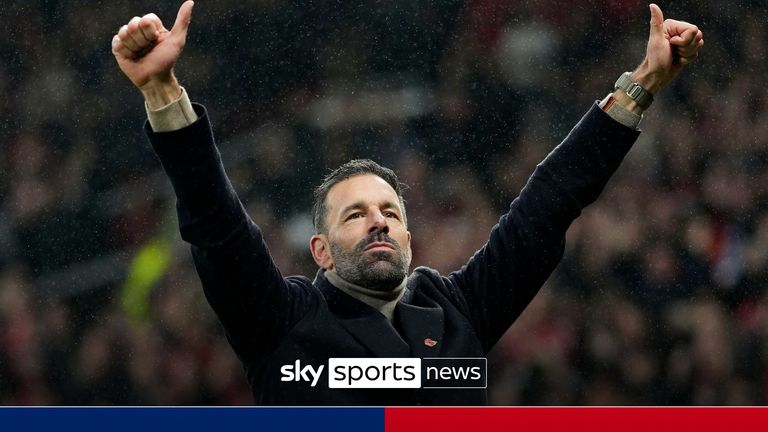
point(362, 302)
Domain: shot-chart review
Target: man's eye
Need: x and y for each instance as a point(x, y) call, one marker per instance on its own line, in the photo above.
point(391, 214)
point(355, 215)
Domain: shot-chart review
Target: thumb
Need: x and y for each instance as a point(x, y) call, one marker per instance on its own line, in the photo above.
point(183, 19)
point(657, 20)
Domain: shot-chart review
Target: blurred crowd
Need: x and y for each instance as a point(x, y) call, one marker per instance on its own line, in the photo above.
point(660, 298)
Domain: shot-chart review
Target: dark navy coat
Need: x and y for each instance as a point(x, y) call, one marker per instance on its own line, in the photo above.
point(272, 320)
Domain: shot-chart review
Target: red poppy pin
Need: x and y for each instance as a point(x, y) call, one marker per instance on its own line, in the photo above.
point(430, 342)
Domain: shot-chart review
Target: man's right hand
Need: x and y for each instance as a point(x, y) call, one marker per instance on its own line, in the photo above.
point(146, 52)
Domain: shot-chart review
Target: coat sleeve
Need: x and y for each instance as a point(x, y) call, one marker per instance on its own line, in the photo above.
point(526, 245)
point(253, 301)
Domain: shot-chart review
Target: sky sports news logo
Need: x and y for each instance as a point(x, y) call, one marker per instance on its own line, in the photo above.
point(389, 373)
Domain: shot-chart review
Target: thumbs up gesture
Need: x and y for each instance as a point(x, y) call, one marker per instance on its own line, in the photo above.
point(672, 44)
point(146, 51)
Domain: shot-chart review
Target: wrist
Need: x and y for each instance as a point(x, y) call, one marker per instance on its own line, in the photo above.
point(652, 81)
point(618, 111)
point(631, 95)
point(627, 102)
point(158, 93)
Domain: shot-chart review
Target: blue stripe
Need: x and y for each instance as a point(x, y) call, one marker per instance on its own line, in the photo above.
point(192, 419)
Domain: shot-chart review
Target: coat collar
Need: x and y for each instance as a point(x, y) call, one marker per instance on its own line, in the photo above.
point(418, 322)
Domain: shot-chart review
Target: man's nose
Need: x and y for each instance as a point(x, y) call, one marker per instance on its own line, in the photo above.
point(378, 224)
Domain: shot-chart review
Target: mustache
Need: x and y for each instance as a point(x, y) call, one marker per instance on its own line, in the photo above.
point(380, 236)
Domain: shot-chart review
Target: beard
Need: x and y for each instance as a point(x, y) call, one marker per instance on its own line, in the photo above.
point(380, 270)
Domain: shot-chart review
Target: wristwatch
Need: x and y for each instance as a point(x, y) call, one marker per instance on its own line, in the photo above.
point(635, 91)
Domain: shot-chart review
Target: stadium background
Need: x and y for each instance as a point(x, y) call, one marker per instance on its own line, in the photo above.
point(660, 298)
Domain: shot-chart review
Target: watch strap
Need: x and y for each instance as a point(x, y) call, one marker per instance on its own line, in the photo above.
point(634, 91)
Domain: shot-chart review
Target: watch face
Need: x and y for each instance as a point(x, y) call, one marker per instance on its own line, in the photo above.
point(623, 81)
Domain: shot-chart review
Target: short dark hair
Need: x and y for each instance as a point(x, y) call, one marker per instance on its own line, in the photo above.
point(350, 169)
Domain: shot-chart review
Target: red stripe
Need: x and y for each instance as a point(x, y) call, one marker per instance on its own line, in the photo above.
point(608, 104)
point(586, 419)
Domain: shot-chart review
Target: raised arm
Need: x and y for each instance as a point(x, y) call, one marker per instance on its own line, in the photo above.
point(253, 301)
point(526, 245)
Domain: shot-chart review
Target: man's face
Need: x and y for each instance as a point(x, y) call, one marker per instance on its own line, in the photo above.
point(368, 241)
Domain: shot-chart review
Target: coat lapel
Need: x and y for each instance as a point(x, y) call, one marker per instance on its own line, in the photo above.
point(367, 325)
point(422, 323)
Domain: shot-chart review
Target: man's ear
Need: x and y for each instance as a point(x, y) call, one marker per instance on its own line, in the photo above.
point(408, 247)
point(321, 251)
